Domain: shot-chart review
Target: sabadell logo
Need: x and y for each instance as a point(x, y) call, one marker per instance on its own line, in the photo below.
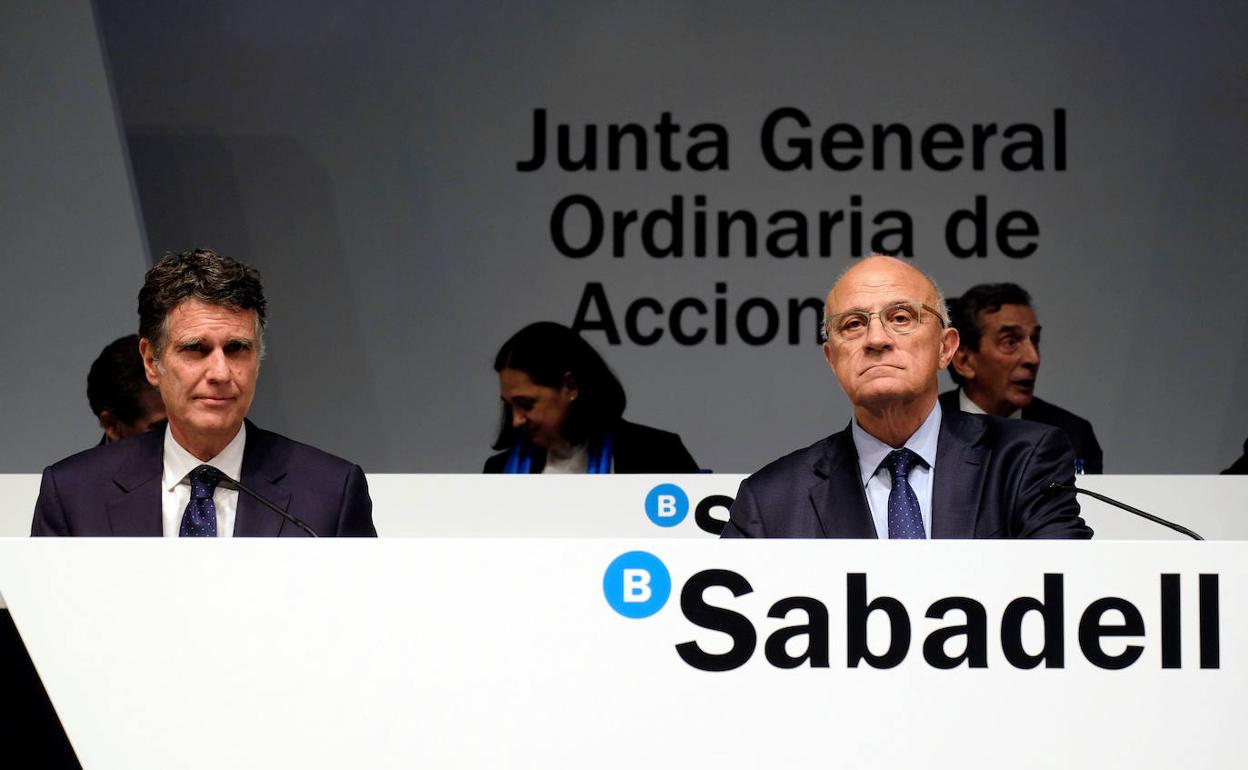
point(637, 584)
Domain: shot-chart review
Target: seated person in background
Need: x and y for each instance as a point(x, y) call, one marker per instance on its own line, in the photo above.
point(997, 362)
point(904, 468)
point(201, 336)
point(120, 396)
point(1240, 466)
point(562, 411)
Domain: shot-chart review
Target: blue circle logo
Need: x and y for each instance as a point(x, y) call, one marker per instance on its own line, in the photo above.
point(636, 584)
point(667, 505)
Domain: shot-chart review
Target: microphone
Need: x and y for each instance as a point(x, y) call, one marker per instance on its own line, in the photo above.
point(1155, 519)
point(230, 483)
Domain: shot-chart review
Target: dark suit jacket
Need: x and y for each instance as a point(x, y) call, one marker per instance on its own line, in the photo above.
point(991, 481)
point(635, 449)
point(115, 490)
point(1240, 466)
point(1077, 429)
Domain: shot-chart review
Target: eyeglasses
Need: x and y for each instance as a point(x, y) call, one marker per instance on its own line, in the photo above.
point(898, 318)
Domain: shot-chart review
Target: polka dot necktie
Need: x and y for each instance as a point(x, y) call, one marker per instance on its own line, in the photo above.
point(905, 520)
point(200, 517)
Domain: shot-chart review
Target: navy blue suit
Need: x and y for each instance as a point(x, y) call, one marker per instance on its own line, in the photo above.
point(114, 490)
point(991, 481)
point(1077, 429)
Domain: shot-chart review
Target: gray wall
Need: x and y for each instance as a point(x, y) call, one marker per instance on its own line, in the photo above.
point(365, 158)
point(71, 243)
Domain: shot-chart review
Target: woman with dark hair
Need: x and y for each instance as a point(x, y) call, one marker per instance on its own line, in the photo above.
point(562, 412)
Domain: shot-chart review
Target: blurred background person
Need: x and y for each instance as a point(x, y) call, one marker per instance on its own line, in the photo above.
point(562, 412)
point(997, 363)
point(1240, 466)
point(120, 396)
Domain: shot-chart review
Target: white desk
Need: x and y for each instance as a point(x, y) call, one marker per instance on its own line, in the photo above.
point(401, 653)
point(471, 505)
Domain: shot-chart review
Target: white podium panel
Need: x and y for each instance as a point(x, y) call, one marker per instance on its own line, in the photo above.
point(473, 505)
point(475, 653)
point(462, 505)
point(18, 493)
point(456, 505)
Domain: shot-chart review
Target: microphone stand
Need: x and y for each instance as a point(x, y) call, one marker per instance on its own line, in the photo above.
point(228, 483)
point(1155, 519)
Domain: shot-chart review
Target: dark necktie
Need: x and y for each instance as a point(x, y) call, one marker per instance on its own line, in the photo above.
point(200, 517)
point(905, 519)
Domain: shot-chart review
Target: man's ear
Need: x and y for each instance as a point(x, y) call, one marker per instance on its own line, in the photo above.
point(964, 363)
point(148, 353)
point(950, 342)
point(109, 424)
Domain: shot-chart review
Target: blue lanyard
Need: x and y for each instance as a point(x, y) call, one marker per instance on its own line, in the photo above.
point(520, 459)
point(600, 454)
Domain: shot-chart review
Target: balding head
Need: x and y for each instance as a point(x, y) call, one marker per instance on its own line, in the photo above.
point(879, 267)
point(888, 338)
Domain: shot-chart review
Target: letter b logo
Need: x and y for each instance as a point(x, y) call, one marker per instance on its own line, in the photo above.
point(667, 505)
point(636, 584)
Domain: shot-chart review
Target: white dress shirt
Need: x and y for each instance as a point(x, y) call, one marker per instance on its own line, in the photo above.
point(175, 484)
point(971, 407)
point(878, 482)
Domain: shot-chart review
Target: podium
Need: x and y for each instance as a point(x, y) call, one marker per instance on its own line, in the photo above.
point(475, 505)
point(619, 653)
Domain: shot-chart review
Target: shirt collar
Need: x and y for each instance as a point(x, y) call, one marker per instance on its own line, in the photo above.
point(872, 451)
point(967, 405)
point(178, 462)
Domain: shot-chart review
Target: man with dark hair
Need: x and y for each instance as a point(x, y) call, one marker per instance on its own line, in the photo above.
point(905, 468)
point(120, 396)
point(201, 338)
point(997, 363)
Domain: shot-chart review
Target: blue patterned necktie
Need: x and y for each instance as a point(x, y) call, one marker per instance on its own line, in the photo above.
point(905, 519)
point(200, 517)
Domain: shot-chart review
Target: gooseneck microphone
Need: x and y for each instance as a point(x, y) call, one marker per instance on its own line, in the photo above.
point(230, 483)
point(1155, 519)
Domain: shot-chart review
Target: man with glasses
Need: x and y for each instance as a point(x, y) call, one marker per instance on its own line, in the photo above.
point(904, 468)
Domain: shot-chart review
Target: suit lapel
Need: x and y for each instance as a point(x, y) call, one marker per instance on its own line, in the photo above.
point(137, 512)
point(838, 498)
point(958, 484)
point(264, 468)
